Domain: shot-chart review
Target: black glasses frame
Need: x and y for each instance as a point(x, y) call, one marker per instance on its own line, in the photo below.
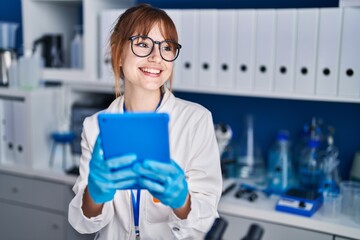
point(132, 38)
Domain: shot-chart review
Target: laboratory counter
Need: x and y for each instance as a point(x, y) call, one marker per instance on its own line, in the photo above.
point(240, 213)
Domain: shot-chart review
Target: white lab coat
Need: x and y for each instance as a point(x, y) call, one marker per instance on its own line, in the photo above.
point(193, 146)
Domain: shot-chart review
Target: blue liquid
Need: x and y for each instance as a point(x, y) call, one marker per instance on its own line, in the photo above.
point(310, 179)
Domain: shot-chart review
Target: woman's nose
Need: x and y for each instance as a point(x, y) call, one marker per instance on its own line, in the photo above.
point(155, 54)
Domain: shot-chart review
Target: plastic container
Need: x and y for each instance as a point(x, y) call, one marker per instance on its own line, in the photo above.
point(331, 207)
point(30, 66)
point(8, 35)
point(357, 206)
point(348, 190)
point(77, 49)
point(14, 75)
point(280, 169)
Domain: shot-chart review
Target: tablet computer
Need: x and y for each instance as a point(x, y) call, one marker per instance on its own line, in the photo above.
point(145, 134)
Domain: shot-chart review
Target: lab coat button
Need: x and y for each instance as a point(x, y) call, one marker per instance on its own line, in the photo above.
point(176, 229)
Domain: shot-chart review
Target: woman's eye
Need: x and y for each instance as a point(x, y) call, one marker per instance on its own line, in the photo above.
point(167, 48)
point(142, 44)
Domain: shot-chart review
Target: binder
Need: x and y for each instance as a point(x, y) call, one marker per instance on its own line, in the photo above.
point(107, 23)
point(2, 131)
point(226, 46)
point(306, 51)
point(175, 15)
point(245, 52)
point(330, 21)
point(9, 153)
point(349, 75)
point(21, 149)
point(189, 52)
point(208, 38)
point(285, 38)
point(264, 53)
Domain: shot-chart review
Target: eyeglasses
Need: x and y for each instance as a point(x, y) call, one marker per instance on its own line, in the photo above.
point(142, 46)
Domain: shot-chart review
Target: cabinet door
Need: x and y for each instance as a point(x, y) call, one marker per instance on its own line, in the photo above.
point(238, 227)
point(32, 192)
point(23, 223)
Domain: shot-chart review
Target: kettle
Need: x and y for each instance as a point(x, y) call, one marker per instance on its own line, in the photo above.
point(51, 50)
point(7, 57)
point(7, 50)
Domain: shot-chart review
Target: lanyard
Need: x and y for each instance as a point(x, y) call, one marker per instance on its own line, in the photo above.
point(136, 202)
point(136, 208)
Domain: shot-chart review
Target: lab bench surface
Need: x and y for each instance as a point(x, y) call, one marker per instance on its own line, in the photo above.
point(240, 213)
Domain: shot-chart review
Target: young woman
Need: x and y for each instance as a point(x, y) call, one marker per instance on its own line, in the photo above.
point(179, 199)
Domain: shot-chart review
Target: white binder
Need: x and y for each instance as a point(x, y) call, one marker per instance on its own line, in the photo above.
point(330, 21)
point(285, 50)
point(2, 131)
point(264, 54)
point(189, 52)
point(107, 23)
point(9, 153)
point(21, 149)
point(245, 49)
point(306, 51)
point(226, 48)
point(208, 38)
point(349, 75)
point(175, 15)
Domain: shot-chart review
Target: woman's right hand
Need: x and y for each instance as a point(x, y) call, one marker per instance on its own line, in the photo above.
point(107, 176)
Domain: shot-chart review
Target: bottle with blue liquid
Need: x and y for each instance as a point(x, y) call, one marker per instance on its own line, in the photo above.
point(280, 166)
point(310, 169)
point(330, 162)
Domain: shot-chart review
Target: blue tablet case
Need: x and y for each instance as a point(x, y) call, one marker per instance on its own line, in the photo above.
point(145, 134)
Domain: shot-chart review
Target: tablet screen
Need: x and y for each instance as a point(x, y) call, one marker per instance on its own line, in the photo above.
point(145, 134)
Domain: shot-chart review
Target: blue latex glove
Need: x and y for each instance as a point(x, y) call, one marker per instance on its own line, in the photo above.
point(165, 181)
point(105, 177)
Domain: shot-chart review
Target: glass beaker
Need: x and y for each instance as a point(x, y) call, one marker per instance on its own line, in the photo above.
point(8, 35)
point(250, 164)
point(348, 190)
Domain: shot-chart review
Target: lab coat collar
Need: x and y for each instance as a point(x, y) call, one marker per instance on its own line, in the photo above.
point(167, 103)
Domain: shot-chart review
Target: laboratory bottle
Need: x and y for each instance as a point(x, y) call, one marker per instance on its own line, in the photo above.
point(77, 48)
point(30, 66)
point(280, 168)
point(330, 166)
point(310, 172)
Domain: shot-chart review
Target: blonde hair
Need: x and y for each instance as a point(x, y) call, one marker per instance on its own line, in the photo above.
point(138, 19)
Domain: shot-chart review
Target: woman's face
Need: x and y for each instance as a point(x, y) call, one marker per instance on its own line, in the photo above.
point(146, 73)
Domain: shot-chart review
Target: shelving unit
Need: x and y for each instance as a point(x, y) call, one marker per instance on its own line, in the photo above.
point(60, 16)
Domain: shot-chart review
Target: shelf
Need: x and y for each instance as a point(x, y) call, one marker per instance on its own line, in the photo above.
point(250, 93)
point(61, 17)
point(349, 3)
point(65, 74)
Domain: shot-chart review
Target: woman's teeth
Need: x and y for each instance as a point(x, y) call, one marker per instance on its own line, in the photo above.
point(150, 70)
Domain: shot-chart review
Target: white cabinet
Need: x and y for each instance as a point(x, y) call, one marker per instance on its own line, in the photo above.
point(33, 209)
point(27, 119)
point(41, 17)
point(20, 222)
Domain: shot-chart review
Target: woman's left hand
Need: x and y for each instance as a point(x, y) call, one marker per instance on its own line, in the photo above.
point(165, 181)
